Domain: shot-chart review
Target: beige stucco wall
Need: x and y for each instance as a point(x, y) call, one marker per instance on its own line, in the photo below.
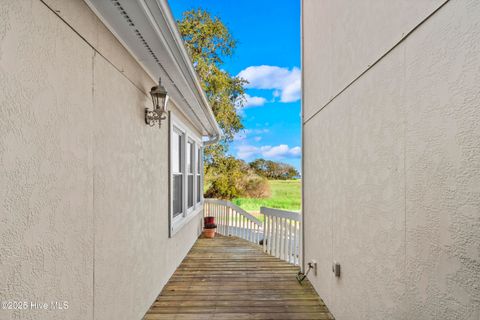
point(392, 164)
point(84, 182)
point(350, 37)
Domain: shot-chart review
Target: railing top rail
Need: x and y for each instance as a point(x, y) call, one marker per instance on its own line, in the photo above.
point(236, 208)
point(281, 213)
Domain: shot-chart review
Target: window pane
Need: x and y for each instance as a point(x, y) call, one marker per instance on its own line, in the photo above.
point(177, 194)
point(199, 174)
point(190, 190)
point(199, 160)
point(199, 188)
point(190, 154)
point(177, 146)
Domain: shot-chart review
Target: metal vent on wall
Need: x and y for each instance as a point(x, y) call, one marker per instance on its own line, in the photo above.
point(130, 22)
point(135, 27)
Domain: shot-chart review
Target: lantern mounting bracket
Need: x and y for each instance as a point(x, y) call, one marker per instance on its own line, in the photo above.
point(159, 100)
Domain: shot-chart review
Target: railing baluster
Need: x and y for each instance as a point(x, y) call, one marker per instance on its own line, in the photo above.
point(266, 236)
point(228, 221)
point(280, 230)
point(236, 224)
point(279, 251)
point(243, 228)
point(265, 231)
point(280, 240)
point(224, 220)
point(215, 214)
point(285, 248)
point(214, 211)
point(250, 230)
point(258, 234)
point(285, 234)
point(240, 226)
point(289, 241)
point(219, 217)
point(240, 221)
point(295, 243)
point(252, 233)
point(300, 251)
point(297, 251)
point(287, 221)
point(274, 236)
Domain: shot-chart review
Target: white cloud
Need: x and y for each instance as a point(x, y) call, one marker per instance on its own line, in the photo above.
point(240, 136)
point(244, 134)
point(285, 82)
point(281, 151)
point(254, 101)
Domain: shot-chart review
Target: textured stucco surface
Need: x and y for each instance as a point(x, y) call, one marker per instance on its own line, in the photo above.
point(84, 187)
point(392, 174)
point(349, 37)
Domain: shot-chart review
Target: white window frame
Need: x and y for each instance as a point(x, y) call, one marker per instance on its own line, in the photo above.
point(199, 175)
point(193, 174)
point(175, 224)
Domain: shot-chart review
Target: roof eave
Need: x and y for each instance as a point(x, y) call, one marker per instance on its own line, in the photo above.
point(154, 41)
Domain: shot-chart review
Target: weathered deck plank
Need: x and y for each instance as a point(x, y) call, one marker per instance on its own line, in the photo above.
point(230, 278)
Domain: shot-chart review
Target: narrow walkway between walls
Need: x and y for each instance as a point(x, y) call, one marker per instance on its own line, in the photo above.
point(231, 278)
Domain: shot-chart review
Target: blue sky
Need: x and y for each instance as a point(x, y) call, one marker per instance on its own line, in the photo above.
point(268, 55)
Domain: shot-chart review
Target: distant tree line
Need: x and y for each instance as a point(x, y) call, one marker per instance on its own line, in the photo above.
point(228, 177)
point(274, 170)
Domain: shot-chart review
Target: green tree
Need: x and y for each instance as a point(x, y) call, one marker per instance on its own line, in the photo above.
point(224, 177)
point(273, 170)
point(228, 178)
point(209, 42)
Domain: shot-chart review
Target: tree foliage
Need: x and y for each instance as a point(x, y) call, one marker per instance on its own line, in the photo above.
point(209, 42)
point(274, 170)
point(228, 178)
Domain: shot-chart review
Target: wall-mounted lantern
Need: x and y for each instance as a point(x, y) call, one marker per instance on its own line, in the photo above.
point(159, 100)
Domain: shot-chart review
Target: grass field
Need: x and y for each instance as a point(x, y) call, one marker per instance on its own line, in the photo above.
point(285, 194)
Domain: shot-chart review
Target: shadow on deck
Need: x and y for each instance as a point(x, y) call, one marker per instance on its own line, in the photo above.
point(230, 278)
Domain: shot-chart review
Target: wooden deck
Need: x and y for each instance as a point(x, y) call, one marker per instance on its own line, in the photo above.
point(229, 278)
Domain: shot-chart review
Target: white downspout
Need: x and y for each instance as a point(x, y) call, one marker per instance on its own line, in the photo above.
point(213, 139)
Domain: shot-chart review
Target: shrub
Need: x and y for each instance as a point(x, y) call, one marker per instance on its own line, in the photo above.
point(256, 187)
point(228, 178)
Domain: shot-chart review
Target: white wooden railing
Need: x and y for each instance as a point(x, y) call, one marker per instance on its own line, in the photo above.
point(280, 233)
point(232, 220)
point(283, 234)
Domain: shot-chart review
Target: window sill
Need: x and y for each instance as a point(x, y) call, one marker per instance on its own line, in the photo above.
point(186, 219)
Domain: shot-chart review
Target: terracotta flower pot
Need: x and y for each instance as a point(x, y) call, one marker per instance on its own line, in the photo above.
point(209, 220)
point(209, 233)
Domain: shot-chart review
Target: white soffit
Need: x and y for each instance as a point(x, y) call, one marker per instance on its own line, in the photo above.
point(147, 29)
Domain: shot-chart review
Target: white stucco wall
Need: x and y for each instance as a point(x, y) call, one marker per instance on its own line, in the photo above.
point(84, 182)
point(392, 164)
